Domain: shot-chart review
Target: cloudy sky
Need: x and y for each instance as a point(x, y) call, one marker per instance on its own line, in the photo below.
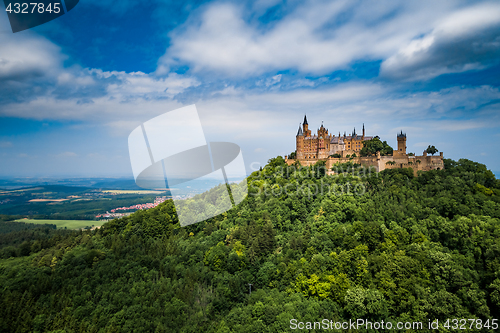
point(73, 89)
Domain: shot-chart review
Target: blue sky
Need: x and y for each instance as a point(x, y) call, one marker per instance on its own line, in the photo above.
point(73, 89)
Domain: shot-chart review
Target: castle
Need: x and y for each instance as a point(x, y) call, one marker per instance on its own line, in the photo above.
point(311, 148)
point(323, 145)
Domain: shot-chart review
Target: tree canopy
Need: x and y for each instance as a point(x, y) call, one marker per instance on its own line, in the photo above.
point(431, 150)
point(371, 147)
point(359, 244)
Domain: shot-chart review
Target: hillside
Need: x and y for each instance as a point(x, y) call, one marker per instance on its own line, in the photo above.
point(390, 247)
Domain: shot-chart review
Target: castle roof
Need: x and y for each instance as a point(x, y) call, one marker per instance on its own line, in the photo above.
point(300, 133)
point(305, 120)
point(358, 137)
point(401, 135)
point(337, 140)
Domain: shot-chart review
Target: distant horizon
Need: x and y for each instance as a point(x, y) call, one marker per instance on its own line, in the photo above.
point(101, 182)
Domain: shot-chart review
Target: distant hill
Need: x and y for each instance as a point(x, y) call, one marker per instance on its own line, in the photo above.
point(379, 247)
point(117, 184)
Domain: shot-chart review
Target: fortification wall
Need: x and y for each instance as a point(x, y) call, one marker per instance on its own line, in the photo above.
point(417, 163)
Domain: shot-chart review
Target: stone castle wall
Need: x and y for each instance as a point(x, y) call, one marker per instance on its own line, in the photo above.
point(380, 162)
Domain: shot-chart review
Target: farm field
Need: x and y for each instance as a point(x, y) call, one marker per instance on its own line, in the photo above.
point(69, 224)
point(69, 202)
point(132, 192)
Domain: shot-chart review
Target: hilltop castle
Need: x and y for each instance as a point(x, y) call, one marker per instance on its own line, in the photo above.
point(323, 146)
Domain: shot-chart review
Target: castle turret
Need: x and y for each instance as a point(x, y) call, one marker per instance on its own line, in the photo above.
point(300, 133)
point(305, 127)
point(402, 143)
point(299, 143)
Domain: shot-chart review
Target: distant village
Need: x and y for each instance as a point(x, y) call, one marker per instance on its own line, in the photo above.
point(158, 200)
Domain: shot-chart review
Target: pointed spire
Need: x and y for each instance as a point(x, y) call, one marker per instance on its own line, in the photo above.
point(354, 132)
point(305, 120)
point(299, 132)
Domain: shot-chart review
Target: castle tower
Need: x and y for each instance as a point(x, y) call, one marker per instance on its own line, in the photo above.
point(299, 147)
point(305, 126)
point(299, 132)
point(402, 143)
point(323, 142)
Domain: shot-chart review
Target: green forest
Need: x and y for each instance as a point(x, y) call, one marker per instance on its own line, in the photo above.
point(302, 246)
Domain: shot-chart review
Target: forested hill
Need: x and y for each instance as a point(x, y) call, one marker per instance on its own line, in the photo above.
point(377, 246)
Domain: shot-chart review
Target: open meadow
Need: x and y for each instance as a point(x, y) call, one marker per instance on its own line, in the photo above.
point(68, 224)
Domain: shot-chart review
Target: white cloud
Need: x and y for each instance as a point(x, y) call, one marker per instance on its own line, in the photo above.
point(464, 40)
point(83, 79)
point(141, 84)
point(304, 83)
point(228, 90)
point(248, 113)
point(270, 81)
point(275, 79)
point(90, 95)
point(318, 37)
point(123, 100)
point(117, 113)
point(34, 84)
point(5, 144)
point(25, 56)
